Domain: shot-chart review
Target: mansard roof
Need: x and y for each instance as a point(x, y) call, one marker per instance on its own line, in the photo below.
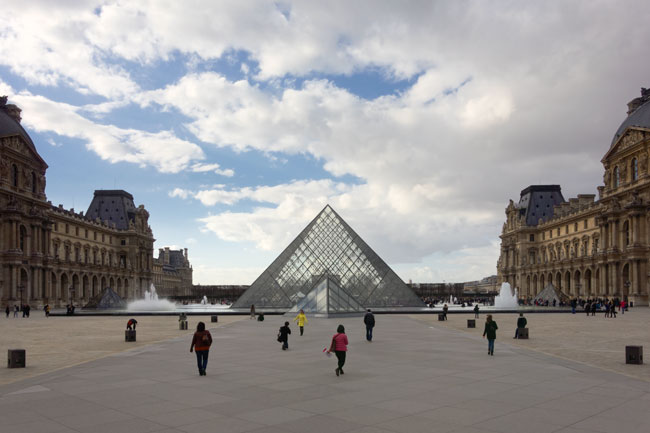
point(638, 115)
point(537, 202)
point(112, 206)
point(10, 126)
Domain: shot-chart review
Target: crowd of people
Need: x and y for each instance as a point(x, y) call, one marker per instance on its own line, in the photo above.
point(24, 309)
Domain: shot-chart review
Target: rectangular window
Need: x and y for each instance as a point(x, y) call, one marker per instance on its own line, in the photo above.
point(103, 237)
point(94, 235)
point(575, 227)
point(67, 229)
point(532, 238)
point(586, 224)
point(123, 242)
point(550, 234)
point(543, 235)
point(56, 227)
point(566, 230)
point(86, 233)
point(558, 231)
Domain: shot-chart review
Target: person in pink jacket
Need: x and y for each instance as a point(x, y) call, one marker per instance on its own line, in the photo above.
point(340, 347)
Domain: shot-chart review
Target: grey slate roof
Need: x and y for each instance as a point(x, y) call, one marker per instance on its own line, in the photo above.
point(112, 206)
point(537, 201)
point(9, 127)
point(639, 117)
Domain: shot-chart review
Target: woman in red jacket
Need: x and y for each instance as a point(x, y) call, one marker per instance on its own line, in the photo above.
point(340, 347)
point(201, 342)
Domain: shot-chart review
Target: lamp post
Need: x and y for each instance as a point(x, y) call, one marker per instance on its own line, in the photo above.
point(627, 285)
point(20, 289)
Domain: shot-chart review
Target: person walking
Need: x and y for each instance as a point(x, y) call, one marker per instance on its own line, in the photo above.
point(252, 311)
point(476, 311)
point(369, 320)
point(521, 323)
point(622, 306)
point(612, 309)
point(201, 342)
point(606, 309)
point(340, 347)
point(16, 309)
point(7, 311)
point(445, 308)
point(491, 332)
point(283, 335)
point(302, 321)
point(46, 308)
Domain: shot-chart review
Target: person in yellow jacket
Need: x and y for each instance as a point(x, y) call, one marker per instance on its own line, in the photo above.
point(302, 320)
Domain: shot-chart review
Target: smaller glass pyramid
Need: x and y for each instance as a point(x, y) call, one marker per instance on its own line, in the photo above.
point(328, 298)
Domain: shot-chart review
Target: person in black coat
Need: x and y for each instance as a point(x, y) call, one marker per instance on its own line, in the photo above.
point(283, 335)
point(369, 320)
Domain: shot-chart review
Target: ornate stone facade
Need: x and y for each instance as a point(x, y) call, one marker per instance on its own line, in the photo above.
point(53, 255)
point(589, 248)
point(172, 273)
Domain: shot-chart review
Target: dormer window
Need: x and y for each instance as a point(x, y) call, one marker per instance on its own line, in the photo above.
point(617, 177)
point(635, 169)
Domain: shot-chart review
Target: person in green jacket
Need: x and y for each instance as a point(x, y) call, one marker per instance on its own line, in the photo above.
point(491, 332)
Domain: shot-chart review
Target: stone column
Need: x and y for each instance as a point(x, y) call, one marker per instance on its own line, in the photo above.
point(634, 283)
point(13, 281)
point(14, 234)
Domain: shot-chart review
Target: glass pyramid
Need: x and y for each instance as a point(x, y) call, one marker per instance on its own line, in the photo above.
point(328, 298)
point(328, 252)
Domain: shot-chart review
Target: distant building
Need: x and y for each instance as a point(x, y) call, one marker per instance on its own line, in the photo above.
point(53, 255)
point(172, 273)
point(587, 248)
point(487, 285)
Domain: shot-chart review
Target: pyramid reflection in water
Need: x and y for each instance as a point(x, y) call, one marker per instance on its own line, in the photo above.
point(328, 269)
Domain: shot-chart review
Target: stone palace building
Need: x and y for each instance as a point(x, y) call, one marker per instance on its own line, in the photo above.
point(587, 247)
point(51, 255)
point(172, 273)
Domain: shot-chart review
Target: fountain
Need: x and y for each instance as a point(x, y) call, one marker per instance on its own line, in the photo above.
point(204, 301)
point(506, 298)
point(151, 302)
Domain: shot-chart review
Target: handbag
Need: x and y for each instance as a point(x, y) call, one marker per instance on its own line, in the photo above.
point(280, 337)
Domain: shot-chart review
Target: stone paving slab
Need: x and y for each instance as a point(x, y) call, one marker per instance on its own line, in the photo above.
point(414, 377)
point(594, 340)
point(57, 342)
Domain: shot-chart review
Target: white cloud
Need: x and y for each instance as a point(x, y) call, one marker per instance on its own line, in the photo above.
point(215, 168)
point(181, 193)
point(162, 150)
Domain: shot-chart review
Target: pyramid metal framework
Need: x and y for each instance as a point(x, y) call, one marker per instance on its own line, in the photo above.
point(329, 251)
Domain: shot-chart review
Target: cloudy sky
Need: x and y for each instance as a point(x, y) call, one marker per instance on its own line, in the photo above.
point(235, 122)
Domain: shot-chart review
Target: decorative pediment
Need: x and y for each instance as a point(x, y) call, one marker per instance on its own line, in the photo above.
point(630, 137)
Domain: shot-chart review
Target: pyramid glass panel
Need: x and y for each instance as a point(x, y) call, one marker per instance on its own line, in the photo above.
point(328, 252)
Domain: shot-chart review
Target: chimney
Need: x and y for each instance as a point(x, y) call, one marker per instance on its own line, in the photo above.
point(637, 102)
point(11, 109)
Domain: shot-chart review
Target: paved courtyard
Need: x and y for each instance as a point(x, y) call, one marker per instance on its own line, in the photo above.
point(417, 376)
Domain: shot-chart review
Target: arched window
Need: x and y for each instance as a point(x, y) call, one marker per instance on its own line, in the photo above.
point(34, 189)
point(14, 175)
point(635, 169)
point(617, 177)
